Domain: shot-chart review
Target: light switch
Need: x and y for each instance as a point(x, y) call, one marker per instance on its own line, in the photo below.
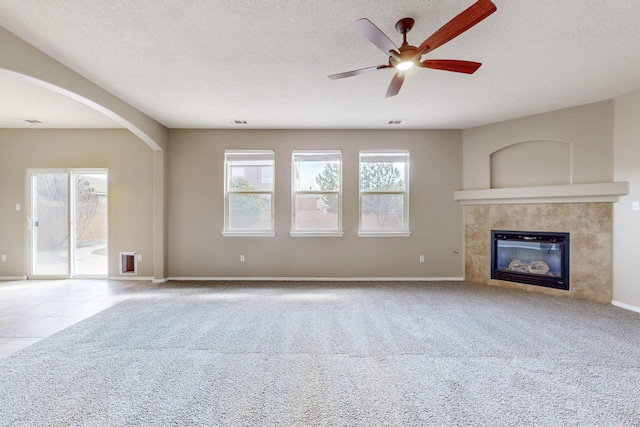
point(17, 206)
point(635, 205)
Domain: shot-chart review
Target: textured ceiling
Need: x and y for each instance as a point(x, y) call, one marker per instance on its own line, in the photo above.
point(202, 64)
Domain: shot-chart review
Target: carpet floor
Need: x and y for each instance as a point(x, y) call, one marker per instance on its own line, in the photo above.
point(332, 354)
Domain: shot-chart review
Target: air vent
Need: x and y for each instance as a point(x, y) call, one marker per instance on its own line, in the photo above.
point(33, 121)
point(238, 122)
point(396, 122)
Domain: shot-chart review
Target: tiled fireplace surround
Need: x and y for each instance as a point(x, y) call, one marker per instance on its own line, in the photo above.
point(590, 228)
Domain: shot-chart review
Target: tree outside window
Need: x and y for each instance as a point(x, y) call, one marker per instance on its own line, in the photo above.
point(52, 202)
point(316, 193)
point(246, 209)
point(249, 191)
point(383, 192)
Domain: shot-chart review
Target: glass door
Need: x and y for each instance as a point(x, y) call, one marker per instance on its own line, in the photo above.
point(89, 227)
point(69, 218)
point(50, 224)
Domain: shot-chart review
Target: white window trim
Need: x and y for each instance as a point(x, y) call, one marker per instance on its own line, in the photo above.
point(315, 233)
point(384, 234)
point(392, 233)
point(248, 233)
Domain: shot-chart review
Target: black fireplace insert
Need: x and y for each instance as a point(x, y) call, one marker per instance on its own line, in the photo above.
point(534, 258)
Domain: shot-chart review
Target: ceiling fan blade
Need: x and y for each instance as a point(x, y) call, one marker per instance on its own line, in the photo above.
point(458, 25)
point(467, 67)
point(357, 72)
point(376, 36)
point(395, 85)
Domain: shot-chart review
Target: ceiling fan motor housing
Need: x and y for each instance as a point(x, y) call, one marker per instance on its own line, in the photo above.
point(404, 25)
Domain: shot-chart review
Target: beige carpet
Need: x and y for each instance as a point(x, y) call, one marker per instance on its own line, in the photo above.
point(362, 354)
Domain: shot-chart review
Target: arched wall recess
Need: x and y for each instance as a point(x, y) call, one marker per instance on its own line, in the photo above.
point(532, 163)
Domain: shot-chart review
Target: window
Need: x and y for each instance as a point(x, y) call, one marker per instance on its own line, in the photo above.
point(384, 193)
point(316, 196)
point(248, 196)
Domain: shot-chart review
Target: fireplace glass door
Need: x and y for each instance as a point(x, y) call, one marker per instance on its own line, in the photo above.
point(531, 258)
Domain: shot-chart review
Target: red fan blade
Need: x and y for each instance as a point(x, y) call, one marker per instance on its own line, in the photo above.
point(458, 25)
point(395, 85)
point(376, 36)
point(357, 72)
point(467, 67)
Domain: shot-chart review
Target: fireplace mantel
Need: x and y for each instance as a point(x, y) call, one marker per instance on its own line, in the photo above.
point(573, 193)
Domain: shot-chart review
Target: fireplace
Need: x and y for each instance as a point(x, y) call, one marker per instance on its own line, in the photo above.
point(534, 258)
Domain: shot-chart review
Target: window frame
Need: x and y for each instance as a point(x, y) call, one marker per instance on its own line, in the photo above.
point(258, 155)
point(295, 192)
point(405, 232)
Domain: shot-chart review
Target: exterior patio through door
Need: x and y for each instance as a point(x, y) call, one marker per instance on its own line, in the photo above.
point(68, 223)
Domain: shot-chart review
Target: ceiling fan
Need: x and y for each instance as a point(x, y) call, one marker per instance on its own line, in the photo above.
point(408, 56)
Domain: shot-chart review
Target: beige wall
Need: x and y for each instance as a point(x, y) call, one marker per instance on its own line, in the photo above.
point(131, 188)
point(626, 226)
point(195, 187)
point(588, 128)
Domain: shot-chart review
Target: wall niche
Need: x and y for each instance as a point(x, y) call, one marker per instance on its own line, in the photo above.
point(532, 164)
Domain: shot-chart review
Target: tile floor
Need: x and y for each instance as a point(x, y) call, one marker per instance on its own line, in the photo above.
point(31, 310)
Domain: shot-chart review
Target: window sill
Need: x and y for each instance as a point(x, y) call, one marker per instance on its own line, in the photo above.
point(316, 234)
point(384, 234)
point(249, 233)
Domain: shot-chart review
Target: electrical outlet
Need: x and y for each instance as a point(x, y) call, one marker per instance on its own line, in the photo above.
point(635, 205)
point(241, 258)
point(421, 258)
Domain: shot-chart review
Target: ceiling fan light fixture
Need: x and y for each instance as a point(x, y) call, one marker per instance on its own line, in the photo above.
point(404, 65)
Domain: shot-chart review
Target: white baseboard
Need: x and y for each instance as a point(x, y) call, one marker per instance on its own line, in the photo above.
point(292, 279)
point(128, 278)
point(626, 306)
point(324, 279)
